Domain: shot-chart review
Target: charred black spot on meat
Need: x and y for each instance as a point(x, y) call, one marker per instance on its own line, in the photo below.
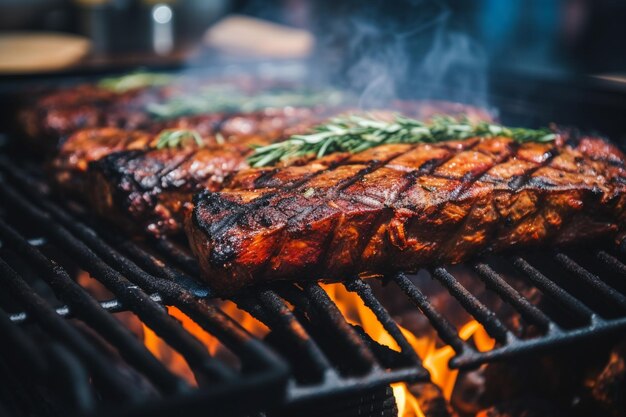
point(222, 253)
point(264, 180)
point(213, 202)
point(428, 165)
point(411, 217)
point(540, 182)
point(516, 182)
point(596, 191)
point(265, 221)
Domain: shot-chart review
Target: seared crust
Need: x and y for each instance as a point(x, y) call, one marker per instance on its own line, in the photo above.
point(70, 164)
point(69, 167)
point(52, 118)
point(149, 189)
point(47, 120)
point(398, 207)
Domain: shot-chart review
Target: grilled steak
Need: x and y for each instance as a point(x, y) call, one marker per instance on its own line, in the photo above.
point(149, 188)
point(69, 166)
point(53, 117)
point(49, 119)
point(396, 207)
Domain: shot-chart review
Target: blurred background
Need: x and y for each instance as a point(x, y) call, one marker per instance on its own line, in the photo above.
point(539, 36)
point(495, 53)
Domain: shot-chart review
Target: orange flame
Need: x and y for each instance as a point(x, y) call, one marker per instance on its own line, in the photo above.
point(174, 361)
point(434, 358)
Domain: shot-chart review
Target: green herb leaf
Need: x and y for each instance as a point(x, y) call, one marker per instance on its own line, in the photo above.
point(358, 133)
point(217, 98)
point(172, 138)
point(134, 80)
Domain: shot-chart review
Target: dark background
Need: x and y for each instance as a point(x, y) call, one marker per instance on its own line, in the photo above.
point(531, 61)
point(556, 36)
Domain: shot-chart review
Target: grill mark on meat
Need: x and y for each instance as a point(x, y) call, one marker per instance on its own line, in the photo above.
point(358, 232)
point(427, 168)
point(467, 183)
point(126, 156)
point(334, 191)
point(220, 225)
point(540, 206)
point(554, 152)
point(463, 224)
point(167, 169)
point(341, 185)
point(263, 179)
point(520, 181)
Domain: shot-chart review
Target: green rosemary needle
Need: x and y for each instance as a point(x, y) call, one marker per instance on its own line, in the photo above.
point(134, 80)
point(172, 138)
point(358, 133)
point(217, 98)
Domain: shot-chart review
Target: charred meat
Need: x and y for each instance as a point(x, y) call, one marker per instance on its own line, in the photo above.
point(69, 166)
point(397, 207)
point(149, 188)
point(48, 121)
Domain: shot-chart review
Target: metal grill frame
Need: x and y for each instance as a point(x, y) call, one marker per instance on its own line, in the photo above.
point(144, 289)
point(170, 286)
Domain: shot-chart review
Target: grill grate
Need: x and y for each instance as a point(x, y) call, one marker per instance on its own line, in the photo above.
point(262, 376)
point(327, 354)
point(143, 284)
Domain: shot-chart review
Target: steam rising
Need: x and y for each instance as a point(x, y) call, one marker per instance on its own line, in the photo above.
point(409, 52)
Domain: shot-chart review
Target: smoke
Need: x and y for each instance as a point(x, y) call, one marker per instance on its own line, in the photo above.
point(404, 49)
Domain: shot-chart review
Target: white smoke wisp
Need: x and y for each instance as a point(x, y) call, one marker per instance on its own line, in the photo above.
point(420, 57)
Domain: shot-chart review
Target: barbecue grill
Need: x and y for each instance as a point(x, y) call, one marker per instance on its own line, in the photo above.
point(59, 337)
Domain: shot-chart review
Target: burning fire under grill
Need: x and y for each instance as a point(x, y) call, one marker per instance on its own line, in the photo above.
point(445, 393)
point(100, 322)
point(174, 238)
point(435, 358)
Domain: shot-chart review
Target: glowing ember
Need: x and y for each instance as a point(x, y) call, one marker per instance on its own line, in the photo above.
point(435, 359)
point(174, 361)
point(161, 350)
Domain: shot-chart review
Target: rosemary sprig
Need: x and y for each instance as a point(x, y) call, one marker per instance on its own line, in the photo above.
point(357, 133)
point(134, 80)
point(172, 138)
point(227, 98)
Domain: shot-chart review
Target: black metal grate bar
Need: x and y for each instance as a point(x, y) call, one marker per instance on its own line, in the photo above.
point(495, 282)
point(65, 333)
point(89, 310)
point(365, 292)
point(592, 280)
point(130, 294)
point(343, 331)
point(557, 293)
point(19, 348)
point(178, 255)
point(486, 317)
point(282, 318)
point(447, 332)
point(612, 262)
point(111, 306)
